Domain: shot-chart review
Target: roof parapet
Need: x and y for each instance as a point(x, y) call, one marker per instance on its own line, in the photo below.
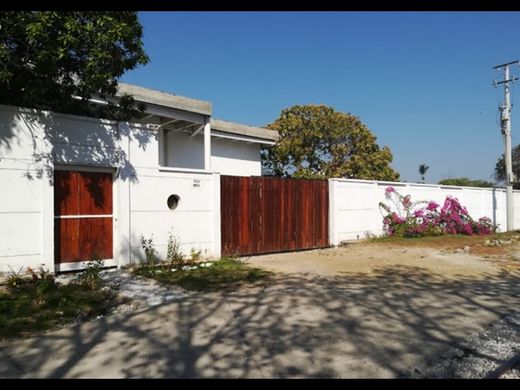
point(146, 95)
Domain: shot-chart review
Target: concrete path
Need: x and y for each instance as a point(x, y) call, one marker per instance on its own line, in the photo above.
point(379, 325)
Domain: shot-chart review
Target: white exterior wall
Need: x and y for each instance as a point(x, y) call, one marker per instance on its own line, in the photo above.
point(23, 193)
point(33, 143)
point(235, 158)
point(354, 205)
point(184, 151)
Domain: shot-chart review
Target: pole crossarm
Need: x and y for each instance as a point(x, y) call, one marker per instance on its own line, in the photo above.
point(506, 64)
point(506, 81)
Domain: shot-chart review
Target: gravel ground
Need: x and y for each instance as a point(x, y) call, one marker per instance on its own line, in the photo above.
point(139, 292)
point(147, 292)
point(481, 355)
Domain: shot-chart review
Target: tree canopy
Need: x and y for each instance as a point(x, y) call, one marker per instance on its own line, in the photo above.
point(317, 142)
point(500, 167)
point(46, 58)
point(465, 182)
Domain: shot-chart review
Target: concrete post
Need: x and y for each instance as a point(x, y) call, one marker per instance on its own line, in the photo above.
point(207, 145)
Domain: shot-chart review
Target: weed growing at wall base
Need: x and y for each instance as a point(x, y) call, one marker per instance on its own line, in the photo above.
point(223, 274)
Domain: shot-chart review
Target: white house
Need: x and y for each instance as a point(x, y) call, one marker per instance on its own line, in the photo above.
point(74, 189)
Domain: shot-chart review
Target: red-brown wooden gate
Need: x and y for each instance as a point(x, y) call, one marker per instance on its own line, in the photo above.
point(266, 214)
point(82, 216)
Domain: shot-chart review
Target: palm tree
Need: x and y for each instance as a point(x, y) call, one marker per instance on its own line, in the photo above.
point(423, 168)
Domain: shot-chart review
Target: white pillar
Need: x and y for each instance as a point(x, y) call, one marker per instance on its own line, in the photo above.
point(47, 165)
point(207, 145)
point(121, 205)
point(47, 259)
point(162, 148)
point(332, 213)
point(216, 235)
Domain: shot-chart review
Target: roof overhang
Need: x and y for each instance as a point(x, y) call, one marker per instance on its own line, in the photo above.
point(239, 131)
point(178, 113)
point(236, 137)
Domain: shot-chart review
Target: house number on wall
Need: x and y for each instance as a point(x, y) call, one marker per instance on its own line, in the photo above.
point(196, 183)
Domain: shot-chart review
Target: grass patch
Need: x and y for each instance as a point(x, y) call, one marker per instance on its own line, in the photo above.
point(458, 241)
point(39, 305)
point(444, 238)
point(225, 274)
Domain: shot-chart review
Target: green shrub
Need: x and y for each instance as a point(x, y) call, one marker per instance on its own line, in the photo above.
point(149, 251)
point(173, 254)
point(15, 279)
point(43, 283)
point(90, 277)
point(195, 254)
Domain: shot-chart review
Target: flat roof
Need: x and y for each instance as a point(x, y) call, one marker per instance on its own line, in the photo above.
point(165, 99)
point(183, 103)
point(238, 128)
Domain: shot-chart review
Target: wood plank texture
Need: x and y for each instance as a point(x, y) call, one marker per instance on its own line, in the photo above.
point(82, 193)
point(267, 214)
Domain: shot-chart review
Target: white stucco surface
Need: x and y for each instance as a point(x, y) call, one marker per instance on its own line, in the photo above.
point(229, 159)
point(355, 213)
point(33, 144)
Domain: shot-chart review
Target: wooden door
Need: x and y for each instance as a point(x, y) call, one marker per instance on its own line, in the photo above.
point(83, 226)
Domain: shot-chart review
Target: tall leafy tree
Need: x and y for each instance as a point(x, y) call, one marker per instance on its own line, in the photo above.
point(318, 142)
point(500, 167)
point(423, 168)
point(48, 58)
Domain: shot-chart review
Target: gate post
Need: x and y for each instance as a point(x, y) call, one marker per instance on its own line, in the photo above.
point(332, 214)
point(216, 228)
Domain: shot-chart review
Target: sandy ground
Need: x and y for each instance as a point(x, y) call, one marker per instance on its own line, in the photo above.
point(363, 311)
point(477, 356)
point(363, 258)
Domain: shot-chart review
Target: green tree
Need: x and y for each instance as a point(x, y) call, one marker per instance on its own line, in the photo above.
point(317, 142)
point(465, 182)
point(46, 58)
point(500, 167)
point(423, 168)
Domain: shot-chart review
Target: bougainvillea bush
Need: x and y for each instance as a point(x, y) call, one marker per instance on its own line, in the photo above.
point(404, 218)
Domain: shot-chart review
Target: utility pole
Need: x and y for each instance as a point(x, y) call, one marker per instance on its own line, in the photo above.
point(505, 122)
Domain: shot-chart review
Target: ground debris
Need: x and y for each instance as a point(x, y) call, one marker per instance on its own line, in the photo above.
point(142, 292)
point(482, 355)
point(497, 242)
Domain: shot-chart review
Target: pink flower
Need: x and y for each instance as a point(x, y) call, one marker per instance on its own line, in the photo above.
point(452, 218)
point(418, 213)
point(432, 206)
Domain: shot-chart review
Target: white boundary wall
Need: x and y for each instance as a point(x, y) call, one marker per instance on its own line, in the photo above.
point(35, 143)
point(354, 205)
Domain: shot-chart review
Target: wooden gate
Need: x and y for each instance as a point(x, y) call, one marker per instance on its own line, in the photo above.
point(266, 214)
point(82, 216)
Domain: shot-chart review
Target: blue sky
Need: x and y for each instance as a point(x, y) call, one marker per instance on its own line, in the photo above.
point(421, 81)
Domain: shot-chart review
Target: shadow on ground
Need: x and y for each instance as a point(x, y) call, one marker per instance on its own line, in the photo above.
point(380, 325)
